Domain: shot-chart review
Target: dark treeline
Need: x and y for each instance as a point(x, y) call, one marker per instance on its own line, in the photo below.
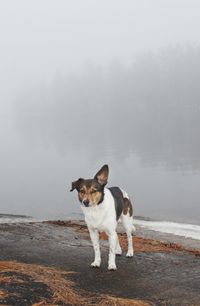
point(151, 108)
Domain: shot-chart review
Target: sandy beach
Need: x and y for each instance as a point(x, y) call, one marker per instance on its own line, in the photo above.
point(48, 263)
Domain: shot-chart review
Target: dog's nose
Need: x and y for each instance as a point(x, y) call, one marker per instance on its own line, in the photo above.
point(86, 203)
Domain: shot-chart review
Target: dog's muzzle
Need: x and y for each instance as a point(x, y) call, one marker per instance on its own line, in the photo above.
point(86, 203)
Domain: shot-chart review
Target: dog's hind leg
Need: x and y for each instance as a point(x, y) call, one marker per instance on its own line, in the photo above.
point(112, 236)
point(127, 222)
point(118, 248)
point(94, 235)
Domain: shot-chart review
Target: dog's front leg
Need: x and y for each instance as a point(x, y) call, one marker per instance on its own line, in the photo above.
point(94, 235)
point(112, 250)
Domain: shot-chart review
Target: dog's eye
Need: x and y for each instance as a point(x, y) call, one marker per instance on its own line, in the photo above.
point(82, 191)
point(93, 191)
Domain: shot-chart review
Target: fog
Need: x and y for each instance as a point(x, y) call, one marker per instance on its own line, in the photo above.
point(88, 83)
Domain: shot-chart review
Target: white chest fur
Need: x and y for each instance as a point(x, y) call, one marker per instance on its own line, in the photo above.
point(103, 216)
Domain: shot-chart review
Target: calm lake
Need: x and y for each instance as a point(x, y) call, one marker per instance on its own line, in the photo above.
point(142, 120)
point(37, 183)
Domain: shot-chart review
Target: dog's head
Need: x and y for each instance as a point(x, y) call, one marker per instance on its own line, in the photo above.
point(91, 191)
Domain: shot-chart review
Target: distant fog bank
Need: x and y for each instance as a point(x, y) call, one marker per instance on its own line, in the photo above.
point(151, 108)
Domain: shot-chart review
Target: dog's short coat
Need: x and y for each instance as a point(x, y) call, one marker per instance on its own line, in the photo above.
point(103, 207)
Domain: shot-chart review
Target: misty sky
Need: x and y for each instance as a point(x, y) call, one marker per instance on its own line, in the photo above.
point(42, 38)
point(89, 82)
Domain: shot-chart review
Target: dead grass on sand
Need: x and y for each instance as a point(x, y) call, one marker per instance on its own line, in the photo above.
point(62, 288)
point(3, 294)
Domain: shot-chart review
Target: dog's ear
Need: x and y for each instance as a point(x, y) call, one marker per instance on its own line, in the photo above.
point(76, 184)
point(102, 175)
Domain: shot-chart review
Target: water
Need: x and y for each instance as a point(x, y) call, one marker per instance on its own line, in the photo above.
point(38, 180)
point(37, 183)
point(142, 120)
point(7, 218)
point(179, 229)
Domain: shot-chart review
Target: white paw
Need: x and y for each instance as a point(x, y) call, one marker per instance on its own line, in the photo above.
point(130, 253)
point(95, 264)
point(118, 252)
point(112, 267)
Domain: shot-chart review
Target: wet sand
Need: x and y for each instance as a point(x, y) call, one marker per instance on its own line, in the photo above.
point(49, 264)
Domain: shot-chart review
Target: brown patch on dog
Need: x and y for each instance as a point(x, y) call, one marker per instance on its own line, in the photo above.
point(127, 207)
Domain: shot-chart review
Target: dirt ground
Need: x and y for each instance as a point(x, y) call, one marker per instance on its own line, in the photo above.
point(49, 264)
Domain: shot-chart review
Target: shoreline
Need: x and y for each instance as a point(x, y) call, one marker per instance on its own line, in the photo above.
point(177, 229)
point(48, 263)
point(168, 240)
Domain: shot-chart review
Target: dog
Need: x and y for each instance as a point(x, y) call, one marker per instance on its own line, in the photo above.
point(103, 208)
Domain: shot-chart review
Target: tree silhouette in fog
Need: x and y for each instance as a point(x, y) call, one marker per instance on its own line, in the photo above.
point(151, 108)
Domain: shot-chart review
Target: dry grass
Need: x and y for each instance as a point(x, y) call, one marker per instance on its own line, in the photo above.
point(107, 301)
point(9, 279)
point(62, 288)
point(3, 294)
point(55, 279)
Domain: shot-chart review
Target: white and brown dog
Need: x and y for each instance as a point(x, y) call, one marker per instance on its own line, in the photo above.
point(103, 207)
